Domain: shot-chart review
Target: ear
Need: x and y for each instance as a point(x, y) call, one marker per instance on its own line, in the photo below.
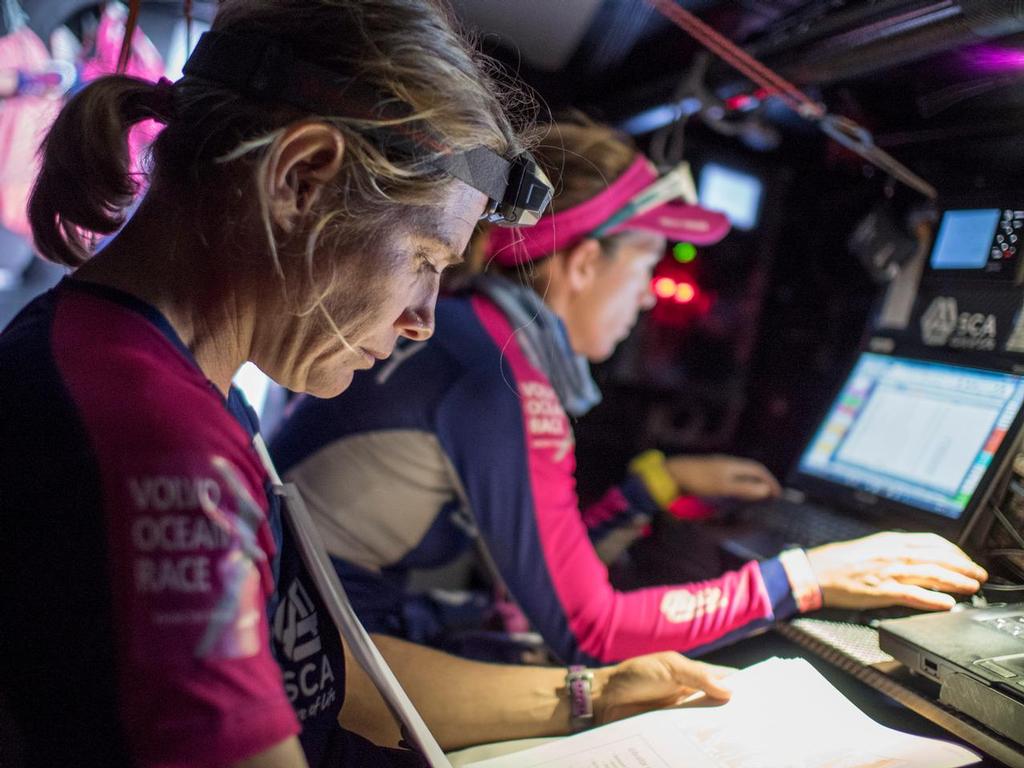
point(301, 162)
point(580, 265)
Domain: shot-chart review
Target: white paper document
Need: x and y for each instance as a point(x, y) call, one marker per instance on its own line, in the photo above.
point(783, 714)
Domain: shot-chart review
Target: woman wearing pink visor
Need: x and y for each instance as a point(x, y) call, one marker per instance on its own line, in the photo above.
point(466, 441)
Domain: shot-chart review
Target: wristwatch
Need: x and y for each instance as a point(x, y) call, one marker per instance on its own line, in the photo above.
point(581, 706)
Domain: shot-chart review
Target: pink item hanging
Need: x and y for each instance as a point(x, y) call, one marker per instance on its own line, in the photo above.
point(144, 62)
point(23, 124)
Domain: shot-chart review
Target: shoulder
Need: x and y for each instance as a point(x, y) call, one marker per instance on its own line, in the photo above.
point(503, 392)
point(131, 384)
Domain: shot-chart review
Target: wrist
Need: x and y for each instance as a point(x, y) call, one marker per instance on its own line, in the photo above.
point(597, 688)
point(803, 582)
point(579, 689)
point(661, 486)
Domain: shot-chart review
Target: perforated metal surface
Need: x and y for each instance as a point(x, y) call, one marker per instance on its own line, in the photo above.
point(858, 642)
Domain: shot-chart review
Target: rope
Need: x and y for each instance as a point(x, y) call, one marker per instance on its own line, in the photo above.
point(130, 26)
point(840, 129)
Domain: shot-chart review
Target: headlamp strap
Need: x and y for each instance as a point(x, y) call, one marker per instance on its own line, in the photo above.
point(266, 69)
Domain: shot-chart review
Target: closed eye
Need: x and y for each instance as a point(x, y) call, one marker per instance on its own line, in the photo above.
point(426, 263)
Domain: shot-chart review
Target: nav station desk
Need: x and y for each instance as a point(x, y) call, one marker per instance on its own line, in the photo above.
point(848, 655)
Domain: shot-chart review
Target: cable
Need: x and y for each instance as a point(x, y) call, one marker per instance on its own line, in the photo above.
point(1005, 522)
point(1007, 553)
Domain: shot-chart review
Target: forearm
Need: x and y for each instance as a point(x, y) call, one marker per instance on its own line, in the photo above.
point(463, 702)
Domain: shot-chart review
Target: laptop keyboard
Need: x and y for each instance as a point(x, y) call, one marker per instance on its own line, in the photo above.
point(1010, 625)
point(803, 524)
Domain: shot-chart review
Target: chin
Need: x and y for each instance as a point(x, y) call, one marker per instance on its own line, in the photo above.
point(329, 386)
point(600, 354)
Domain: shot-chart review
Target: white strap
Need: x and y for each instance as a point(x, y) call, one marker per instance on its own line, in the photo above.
point(318, 563)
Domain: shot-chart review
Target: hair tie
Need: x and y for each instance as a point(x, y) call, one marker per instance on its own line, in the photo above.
point(162, 102)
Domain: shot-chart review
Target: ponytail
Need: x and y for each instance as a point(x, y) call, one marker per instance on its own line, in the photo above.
point(86, 184)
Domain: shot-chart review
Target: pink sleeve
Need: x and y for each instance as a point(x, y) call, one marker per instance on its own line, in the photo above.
point(610, 625)
point(607, 509)
point(594, 618)
point(191, 575)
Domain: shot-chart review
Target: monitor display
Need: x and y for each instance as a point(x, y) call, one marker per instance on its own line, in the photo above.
point(965, 239)
point(915, 432)
point(734, 193)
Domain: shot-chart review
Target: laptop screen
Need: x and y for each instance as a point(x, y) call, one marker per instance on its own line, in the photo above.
point(916, 432)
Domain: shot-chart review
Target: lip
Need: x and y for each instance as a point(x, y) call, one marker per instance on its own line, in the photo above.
point(371, 355)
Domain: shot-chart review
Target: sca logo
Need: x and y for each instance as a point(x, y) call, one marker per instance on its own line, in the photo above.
point(942, 324)
point(295, 624)
point(309, 680)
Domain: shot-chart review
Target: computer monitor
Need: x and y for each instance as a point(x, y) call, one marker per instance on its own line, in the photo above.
point(735, 193)
point(964, 239)
point(919, 433)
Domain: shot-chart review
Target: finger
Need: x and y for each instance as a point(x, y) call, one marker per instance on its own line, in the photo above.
point(747, 471)
point(749, 489)
point(719, 671)
point(950, 558)
point(769, 478)
point(930, 547)
point(702, 677)
point(914, 596)
point(933, 577)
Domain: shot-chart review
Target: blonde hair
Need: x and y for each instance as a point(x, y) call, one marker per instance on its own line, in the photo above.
point(407, 49)
point(581, 158)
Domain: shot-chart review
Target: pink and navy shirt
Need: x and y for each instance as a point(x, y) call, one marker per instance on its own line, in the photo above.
point(461, 437)
point(156, 612)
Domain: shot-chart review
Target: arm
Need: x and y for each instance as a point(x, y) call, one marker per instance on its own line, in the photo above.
point(190, 585)
point(518, 479)
point(286, 754)
point(677, 485)
point(468, 702)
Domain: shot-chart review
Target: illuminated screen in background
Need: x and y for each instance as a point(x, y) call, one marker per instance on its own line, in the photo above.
point(255, 385)
point(964, 239)
point(734, 193)
point(919, 433)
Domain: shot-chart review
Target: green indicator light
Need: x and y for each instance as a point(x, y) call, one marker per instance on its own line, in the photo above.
point(684, 252)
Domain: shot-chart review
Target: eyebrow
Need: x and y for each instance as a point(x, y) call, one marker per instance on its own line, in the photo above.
point(452, 255)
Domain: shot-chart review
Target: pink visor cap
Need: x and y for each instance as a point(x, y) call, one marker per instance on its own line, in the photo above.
point(626, 204)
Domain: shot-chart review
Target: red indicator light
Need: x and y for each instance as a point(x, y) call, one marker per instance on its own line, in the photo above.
point(664, 287)
point(685, 293)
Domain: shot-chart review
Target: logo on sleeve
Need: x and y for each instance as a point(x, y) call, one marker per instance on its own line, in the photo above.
point(547, 426)
point(680, 605)
point(196, 559)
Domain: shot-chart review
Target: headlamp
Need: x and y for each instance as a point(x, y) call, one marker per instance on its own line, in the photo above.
point(265, 69)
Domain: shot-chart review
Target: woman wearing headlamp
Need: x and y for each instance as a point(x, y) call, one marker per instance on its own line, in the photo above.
point(468, 436)
point(156, 609)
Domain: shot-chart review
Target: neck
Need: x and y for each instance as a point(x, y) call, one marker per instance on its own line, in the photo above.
point(161, 258)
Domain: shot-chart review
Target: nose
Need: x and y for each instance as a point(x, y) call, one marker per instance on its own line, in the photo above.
point(416, 324)
point(417, 320)
point(647, 298)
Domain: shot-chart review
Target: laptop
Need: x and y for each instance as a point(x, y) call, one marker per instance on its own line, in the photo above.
point(976, 656)
point(908, 443)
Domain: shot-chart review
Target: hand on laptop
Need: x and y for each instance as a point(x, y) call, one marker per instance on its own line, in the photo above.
point(655, 681)
point(912, 569)
point(724, 476)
